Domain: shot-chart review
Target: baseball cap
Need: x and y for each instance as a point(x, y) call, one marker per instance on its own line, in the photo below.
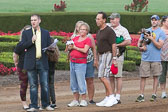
point(114, 15)
point(114, 69)
point(155, 17)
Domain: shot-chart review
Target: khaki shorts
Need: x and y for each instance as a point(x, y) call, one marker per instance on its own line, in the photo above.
point(120, 69)
point(148, 69)
point(105, 61)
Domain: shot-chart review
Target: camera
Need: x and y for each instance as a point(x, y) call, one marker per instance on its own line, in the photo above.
point(145, 40)
point(145, 33)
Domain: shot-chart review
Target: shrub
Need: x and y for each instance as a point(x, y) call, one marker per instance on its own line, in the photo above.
point(129, 66)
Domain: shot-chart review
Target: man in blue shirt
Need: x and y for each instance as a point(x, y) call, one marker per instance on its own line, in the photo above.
point(151, 60)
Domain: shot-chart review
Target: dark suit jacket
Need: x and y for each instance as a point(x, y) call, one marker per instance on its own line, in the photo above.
point(30, 56)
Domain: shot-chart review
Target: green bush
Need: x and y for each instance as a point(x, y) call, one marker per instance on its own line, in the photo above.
point(6, 58)
point(66, 21)
point(7, 46)
point(129, 66)
point(7, 38)
point(133, 55)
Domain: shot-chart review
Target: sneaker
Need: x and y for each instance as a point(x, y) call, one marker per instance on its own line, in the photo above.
point(119, 102)
point(111, 101)
point(31, 110)
point(164, 95)
point(140, 98)
point(102, 103)
point(54, 106)
point(91, 102)
point(73, 103)
point(153, 98)
point(48, 108)
point(83, 103)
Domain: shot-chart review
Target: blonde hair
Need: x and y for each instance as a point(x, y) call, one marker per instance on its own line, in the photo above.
point(87, 26)
point(77, 24)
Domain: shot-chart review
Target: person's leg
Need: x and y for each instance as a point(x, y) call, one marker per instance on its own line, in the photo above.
point(73, 81)
point(90, 87)
point(33, 81)
point(23, 86)
point(107, 85)
point(43, 75)
point(162, 78)
point(155, 84)
point(142, 85)
point(112, 81)
point(51, 73)
point(119, 80)
point(90, 80)
point(80, 70)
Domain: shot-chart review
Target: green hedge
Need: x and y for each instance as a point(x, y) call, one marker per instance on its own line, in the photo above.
point(66, 21)
point(129, 66)
point(7, 38)
point(7, 46)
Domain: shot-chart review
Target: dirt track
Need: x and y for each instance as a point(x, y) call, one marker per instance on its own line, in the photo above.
point(10, 100)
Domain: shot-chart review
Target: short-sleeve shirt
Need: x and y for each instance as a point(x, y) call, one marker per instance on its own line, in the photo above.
point(121, 32)
point(77, 56)
point(105, 38)
point(152, 54)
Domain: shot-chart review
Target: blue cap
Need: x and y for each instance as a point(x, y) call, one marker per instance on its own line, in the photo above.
point(155, 17)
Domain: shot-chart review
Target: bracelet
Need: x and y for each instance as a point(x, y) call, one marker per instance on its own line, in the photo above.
point(114, 58)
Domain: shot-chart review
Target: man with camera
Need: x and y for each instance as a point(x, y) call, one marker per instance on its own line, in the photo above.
point(150, 59)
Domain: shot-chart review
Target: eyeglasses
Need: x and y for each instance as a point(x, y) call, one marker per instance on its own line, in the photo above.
point(83, 29)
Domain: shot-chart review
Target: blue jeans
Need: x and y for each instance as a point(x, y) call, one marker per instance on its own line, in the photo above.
point(77, 77)
point(33, 81)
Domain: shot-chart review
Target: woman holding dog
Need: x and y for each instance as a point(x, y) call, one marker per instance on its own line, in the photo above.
point(164, 57)
point(91, 63)
point(78, 65)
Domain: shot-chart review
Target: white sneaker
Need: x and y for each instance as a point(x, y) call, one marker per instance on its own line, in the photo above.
point(164, 95)
point(111, 101)
point(101, 104)
point(83, 103)
point(48, 108)
point(31, 110)
point(73, 103)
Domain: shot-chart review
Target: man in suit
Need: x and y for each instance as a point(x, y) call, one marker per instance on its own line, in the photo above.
point(36, 62)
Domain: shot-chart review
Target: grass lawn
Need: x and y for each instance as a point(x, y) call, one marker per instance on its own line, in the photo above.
point(77, 5)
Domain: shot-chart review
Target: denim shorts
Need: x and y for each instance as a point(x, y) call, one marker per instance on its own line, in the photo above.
point(77, 77)
point(90, 69)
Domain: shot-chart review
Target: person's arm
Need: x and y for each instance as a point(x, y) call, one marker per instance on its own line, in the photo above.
point(141, 45)
point(94, 52)
point(114, 58)
point(158, 44)
point(84, 50)
point(127, 39)
point(15, 59)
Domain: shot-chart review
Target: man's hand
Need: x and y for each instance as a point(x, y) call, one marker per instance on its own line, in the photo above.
point(70, 47)
point(114, 61)
point(143, 48)
point(34, 38)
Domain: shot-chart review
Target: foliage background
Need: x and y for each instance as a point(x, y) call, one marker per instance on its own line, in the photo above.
point(77, 5)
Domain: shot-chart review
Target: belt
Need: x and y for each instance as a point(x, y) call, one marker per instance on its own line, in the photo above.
point(78, 58)
point(104, 52)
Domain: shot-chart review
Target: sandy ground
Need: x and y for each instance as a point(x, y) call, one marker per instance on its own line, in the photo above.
point(10, 99)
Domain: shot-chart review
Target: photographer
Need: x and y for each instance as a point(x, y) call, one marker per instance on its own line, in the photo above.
point(151, 60)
